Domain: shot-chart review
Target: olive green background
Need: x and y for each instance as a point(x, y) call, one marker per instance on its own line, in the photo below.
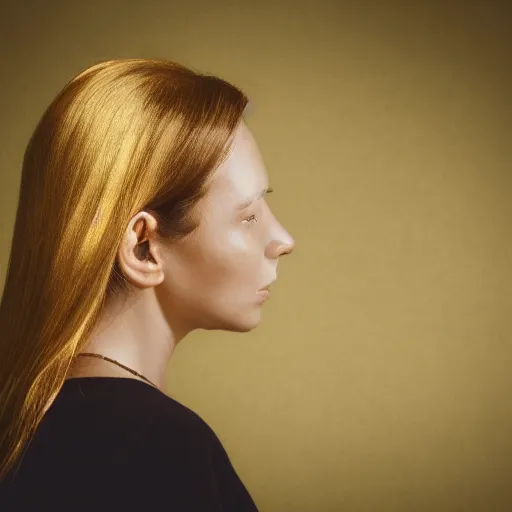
point(380, 377)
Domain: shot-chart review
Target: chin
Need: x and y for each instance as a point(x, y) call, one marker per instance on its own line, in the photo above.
point(236, 322)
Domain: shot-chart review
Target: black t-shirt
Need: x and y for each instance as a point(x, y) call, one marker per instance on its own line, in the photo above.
point(110, 443)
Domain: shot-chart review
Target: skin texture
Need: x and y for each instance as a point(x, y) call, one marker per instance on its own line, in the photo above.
point(208, 280)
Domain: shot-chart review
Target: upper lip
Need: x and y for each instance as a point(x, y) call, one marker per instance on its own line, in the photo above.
point(266, 287)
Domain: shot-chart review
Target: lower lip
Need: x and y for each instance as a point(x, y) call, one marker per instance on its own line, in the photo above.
point(264, 294)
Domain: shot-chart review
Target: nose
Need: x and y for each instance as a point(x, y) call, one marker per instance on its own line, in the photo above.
point(284, 244)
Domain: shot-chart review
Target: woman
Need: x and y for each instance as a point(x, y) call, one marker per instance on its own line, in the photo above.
point(141, 218)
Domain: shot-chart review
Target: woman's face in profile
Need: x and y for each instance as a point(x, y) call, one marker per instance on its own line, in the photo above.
point(212, 276)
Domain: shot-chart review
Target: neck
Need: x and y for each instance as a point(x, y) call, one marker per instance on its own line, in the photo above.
point(91, 366)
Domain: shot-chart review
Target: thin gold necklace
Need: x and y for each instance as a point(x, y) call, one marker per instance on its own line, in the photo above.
point(119, 364)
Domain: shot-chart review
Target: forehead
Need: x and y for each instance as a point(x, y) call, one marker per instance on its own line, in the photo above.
point(243, 173)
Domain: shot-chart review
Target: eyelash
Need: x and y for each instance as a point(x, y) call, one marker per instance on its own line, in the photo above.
point(251, 217)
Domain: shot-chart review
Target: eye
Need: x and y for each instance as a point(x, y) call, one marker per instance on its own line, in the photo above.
point(251, 218)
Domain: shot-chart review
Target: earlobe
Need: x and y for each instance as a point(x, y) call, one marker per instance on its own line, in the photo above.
point(140, 267)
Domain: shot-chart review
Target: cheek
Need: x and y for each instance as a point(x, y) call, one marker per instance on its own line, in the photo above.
point(230, 261)
point(237, 241)
point(225, 264)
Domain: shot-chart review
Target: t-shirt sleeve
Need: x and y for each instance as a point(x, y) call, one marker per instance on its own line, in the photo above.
point(189, 469)
point(234, 495)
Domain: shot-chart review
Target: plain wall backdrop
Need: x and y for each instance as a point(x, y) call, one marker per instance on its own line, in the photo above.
point(379, 379)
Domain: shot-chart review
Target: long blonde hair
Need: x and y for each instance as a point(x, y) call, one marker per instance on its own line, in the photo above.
point(124, 135)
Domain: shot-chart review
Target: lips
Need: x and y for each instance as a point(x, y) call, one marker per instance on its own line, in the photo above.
point(263, 294)
point(265, 288)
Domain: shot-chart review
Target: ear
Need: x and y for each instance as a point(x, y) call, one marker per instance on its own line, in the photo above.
point(140, 254)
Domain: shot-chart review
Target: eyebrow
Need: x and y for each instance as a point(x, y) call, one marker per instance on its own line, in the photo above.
point(249, 200)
